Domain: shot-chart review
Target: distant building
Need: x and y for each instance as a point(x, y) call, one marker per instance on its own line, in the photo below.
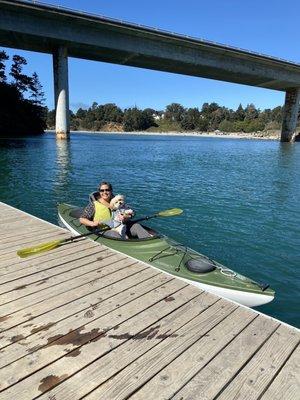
point(158, 116)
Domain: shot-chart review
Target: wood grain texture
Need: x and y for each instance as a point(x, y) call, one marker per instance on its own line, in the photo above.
point(83, 321)
point(286, 385)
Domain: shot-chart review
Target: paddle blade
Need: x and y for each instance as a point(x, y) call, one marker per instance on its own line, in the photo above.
point(170, 213)
point(30, 251)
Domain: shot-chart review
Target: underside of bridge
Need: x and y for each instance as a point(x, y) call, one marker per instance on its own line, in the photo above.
point(63, 33)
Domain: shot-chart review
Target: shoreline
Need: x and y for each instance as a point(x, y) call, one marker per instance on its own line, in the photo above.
point(190, 134)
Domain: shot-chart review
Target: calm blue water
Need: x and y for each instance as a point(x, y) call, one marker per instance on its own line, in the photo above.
point(240, 197)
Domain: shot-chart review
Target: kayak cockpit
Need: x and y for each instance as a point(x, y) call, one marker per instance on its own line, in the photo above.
point(77, 212)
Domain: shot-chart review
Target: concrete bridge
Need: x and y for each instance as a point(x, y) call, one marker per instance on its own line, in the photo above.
point(35, 26)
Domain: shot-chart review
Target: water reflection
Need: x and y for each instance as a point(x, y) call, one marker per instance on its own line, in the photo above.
point(6, 171)
point(19, 143)
point(63, 165)
point(12, 143)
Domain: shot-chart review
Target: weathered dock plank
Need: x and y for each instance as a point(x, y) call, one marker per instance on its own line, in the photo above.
point(259, 372)
point(83, 321)
point(172, 377)
point(287, 382)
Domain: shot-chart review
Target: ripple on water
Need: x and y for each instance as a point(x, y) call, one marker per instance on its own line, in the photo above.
point(239, 196)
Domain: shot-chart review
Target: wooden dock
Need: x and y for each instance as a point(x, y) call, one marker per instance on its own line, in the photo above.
point(83, 321)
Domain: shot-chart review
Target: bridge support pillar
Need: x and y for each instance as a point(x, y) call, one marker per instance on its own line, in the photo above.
point(290, 115)
point(61, 93)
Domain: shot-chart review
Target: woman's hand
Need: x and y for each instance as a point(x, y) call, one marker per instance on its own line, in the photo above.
point(95, 224)
point(87, 222)
point(125, 217)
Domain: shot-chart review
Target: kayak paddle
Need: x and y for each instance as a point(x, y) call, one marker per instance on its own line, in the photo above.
point(41, 248)
point(172, 212)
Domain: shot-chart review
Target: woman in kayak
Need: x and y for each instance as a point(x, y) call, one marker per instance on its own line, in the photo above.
point(98, 212)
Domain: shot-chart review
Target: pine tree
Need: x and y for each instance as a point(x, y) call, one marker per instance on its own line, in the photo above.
point(37, 94)
point(21, 81)
point(239, 115)
point(3, 58)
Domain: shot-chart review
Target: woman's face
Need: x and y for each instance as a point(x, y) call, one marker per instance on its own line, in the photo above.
point(105, 192)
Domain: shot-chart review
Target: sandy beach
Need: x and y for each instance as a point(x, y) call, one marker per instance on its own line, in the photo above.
point(192, 134)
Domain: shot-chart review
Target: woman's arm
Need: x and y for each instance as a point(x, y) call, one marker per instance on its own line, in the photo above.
point(87, 222)
point(88, 215)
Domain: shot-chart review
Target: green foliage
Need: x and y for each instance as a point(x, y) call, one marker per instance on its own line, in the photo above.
point(272, 126)
point(96, 117)
point(50, 120)
point(175, 118)
point(277, 114)
point(37, 94)
point(174, 112)
point(208, 109)
point(189, 121)
point(21, 81)
point(203, 124)
point(251, 112)
point(239, 115)
point(137, 120)
point(216, 117)
point(165, 125)
point(248, 126)
point(226, 126)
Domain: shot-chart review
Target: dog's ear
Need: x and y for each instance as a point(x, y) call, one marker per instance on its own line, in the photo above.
point(112, 202)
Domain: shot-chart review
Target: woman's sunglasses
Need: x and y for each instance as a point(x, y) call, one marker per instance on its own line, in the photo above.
point(104, 190)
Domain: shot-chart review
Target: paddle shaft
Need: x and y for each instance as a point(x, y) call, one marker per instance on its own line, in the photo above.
point(143, 219)
point(98, 231)
point(95, 232)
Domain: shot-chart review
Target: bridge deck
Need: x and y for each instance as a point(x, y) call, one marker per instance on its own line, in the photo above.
point(36, 26)
point(82, 321)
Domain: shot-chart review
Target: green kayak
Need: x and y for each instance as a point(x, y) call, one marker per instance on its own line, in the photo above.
point(173, 258)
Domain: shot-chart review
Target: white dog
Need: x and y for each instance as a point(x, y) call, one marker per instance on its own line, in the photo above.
point(120, 210)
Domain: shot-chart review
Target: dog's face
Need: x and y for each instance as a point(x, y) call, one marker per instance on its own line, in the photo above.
point(117, 202)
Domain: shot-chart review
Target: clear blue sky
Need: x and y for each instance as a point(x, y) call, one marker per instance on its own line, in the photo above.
point(269, 27)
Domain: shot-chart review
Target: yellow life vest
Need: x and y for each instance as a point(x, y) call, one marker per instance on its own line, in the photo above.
point(102, 213)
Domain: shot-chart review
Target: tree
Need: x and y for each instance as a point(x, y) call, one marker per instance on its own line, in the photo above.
point(81, 113)
point(94, 105)
point(37, 94)
point(21, 81)
point(226, 126)
point(238, 126)
point(253, 125)
point(3, 57)
point(265, 116)
point(150, 112)
point(190, 119)
point(251, 112)
point(203, 123)
point(211, 117)
point(218, 116)
point(50, 121)
point(136, 120)
point(208, 109)
point(277, 114)
point(112, 113)
point(239, 115)
point(174, 112)
point(20, 116)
